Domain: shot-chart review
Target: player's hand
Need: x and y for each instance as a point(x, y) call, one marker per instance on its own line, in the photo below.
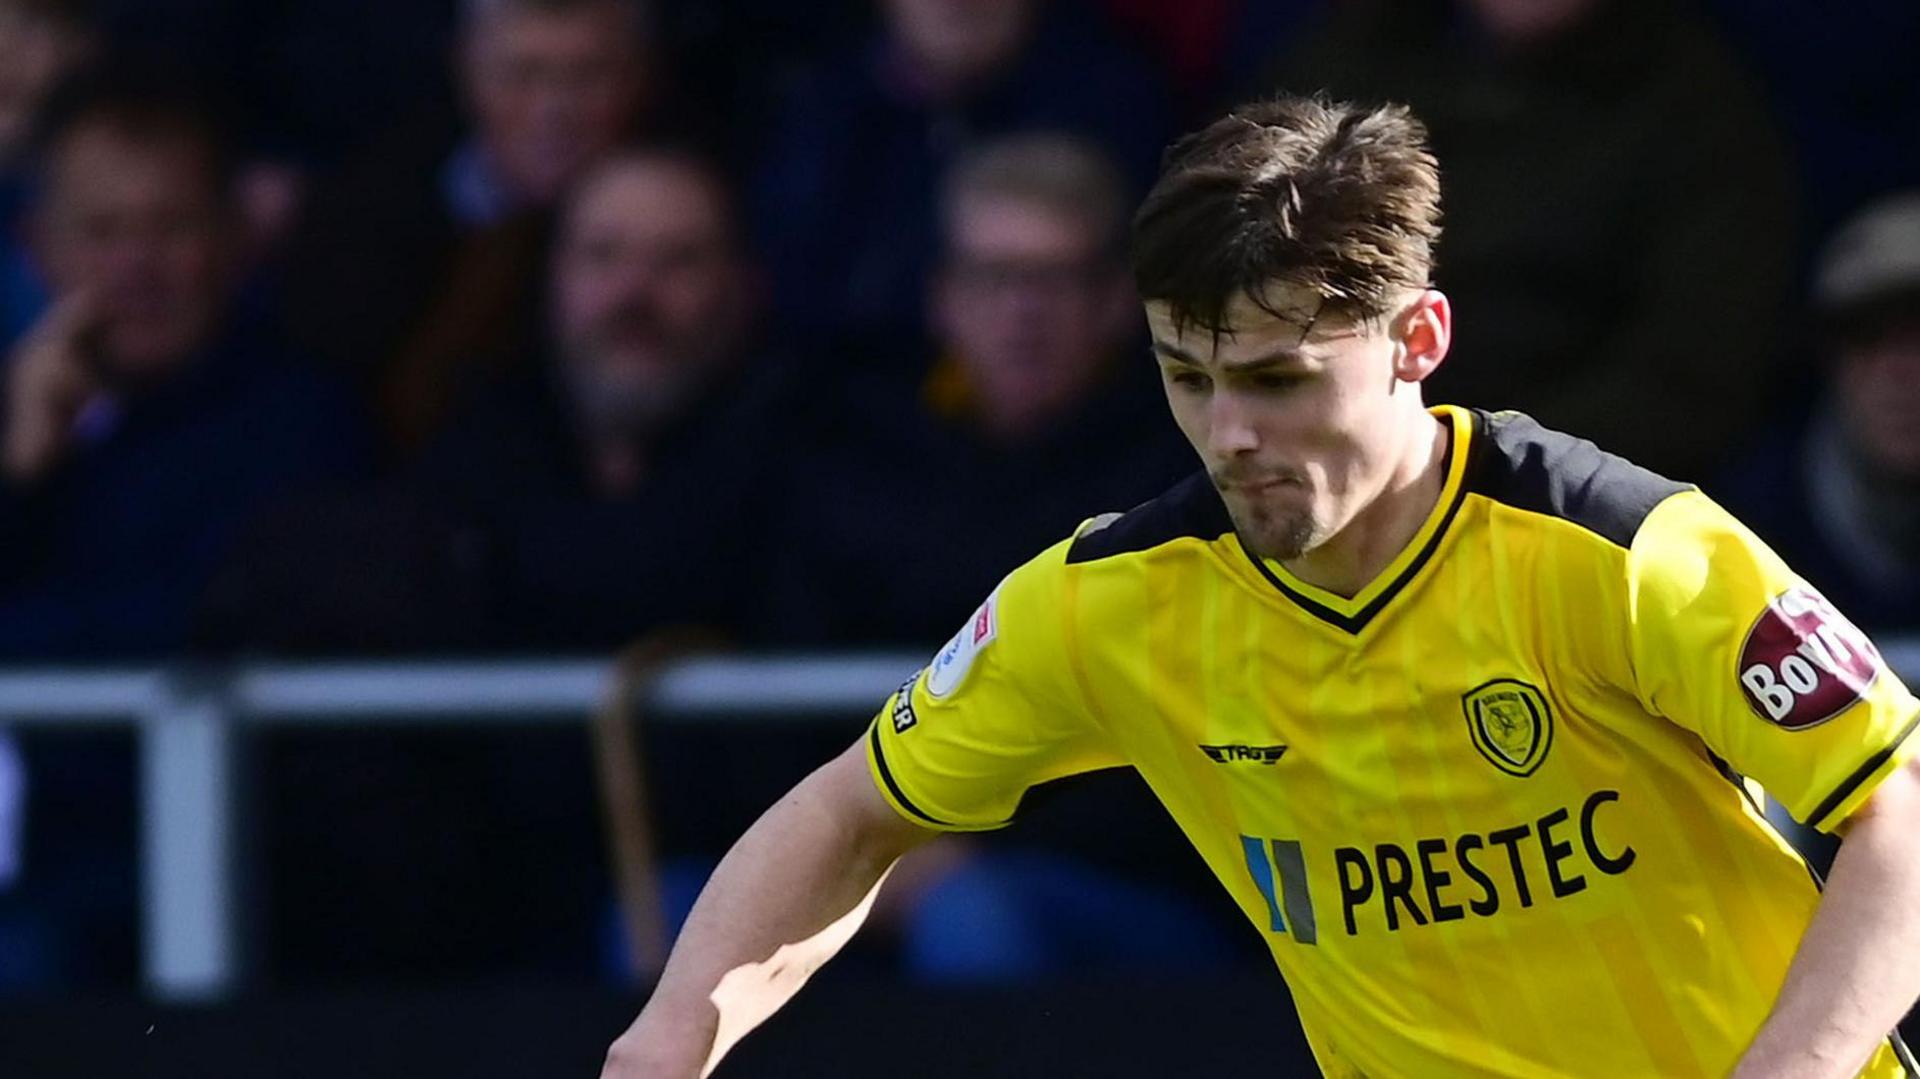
point(49, 380)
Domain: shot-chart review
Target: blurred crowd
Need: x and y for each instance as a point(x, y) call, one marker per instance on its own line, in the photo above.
point(349, 328)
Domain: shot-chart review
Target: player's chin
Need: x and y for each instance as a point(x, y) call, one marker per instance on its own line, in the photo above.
point(1279, 536)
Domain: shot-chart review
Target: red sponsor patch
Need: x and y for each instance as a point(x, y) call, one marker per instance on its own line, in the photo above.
point(982, 622)
point(1803, 663)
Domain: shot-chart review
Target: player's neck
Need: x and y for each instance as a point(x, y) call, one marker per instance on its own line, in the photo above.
point(1351, 559)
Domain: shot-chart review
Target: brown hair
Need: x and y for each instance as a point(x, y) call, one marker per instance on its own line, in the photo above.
point(1337, 199)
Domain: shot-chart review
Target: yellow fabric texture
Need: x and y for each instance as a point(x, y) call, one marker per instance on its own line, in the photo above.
point(1481, 813)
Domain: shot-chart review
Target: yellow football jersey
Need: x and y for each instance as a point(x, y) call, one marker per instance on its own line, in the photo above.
point(1487, 812)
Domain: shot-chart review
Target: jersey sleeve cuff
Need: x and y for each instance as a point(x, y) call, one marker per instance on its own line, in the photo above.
point(891, 792)
point(1853, 792)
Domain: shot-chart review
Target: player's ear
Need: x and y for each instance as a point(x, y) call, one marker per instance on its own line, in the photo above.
point(1423, 334)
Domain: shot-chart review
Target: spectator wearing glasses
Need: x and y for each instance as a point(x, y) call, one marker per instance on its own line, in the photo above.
point(920, 489)
point(911, 496)
point(847, 200)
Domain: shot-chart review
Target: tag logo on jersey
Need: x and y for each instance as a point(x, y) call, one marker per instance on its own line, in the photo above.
point(1510, 723)
point(1230, 754)
point(904, 717)
point(1803, 663)
point(950, 667)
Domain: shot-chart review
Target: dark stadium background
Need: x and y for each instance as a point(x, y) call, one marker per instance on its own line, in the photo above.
point(1644, 208)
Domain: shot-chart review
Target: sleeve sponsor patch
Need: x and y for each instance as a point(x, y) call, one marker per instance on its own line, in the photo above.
point(904, 717)
point(1803, 662)
point(950, 667)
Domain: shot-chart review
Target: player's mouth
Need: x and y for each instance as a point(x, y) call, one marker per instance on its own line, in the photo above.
point(1254, 486)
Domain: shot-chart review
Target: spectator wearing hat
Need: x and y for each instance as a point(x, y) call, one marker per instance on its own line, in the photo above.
point(1840, 497)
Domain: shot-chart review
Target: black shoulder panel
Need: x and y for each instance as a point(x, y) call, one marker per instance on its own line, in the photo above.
point(1189, 508)
point(1526, 466)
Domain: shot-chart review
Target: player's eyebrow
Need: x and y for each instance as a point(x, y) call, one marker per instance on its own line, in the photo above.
point(1280, 357)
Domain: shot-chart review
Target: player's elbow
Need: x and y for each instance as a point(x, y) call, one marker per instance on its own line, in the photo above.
point(845, 790)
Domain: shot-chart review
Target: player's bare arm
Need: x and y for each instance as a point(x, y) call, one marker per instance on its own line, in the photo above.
point(783, 901)
point(1858, 968)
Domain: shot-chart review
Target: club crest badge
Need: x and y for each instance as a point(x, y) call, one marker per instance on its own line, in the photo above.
point(1510, 723)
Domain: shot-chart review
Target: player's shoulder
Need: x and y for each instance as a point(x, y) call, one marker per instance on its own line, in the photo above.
point(1526, 466)
point(1188, 509)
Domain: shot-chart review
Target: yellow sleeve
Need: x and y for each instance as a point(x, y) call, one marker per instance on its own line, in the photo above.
point(993, 715)
point(1727, 642)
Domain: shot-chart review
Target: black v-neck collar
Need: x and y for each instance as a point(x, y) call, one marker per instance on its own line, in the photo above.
point(1353, 615)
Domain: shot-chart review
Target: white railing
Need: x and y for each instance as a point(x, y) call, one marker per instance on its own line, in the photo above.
point(187, 717)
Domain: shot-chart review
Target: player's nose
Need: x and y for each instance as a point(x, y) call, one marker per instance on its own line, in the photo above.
point(1230, 426)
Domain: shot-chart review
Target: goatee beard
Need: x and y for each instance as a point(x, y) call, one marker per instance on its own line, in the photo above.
point(1282, 540)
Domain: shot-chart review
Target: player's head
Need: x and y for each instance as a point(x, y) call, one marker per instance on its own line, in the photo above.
point(552, 85)
point(650, 291)
point(137, 209)
point(1032, 298)
point(1867, 289)
point(1284, 256)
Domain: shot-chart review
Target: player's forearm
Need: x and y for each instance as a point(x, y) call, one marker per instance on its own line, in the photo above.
point(780, 904)
point(1858, 967)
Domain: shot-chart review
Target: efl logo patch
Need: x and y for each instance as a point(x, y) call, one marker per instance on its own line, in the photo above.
point(950, 667)
point(1803, 663)
point(1510, 723)
point(904, 717)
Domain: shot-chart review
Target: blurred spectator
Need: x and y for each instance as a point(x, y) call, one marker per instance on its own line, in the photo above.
point(40, 42)
point(602, 486)
point(620, 471)
point(914, 500)
point(846, 198)
point(1618, 223)
point(1840, 497)
point(421, 267)
point(143, 420)
point(611, 484)
point(908, 503)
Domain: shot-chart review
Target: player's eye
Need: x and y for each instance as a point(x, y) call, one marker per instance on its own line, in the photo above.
point(1270, 382)
point(1188, 380)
